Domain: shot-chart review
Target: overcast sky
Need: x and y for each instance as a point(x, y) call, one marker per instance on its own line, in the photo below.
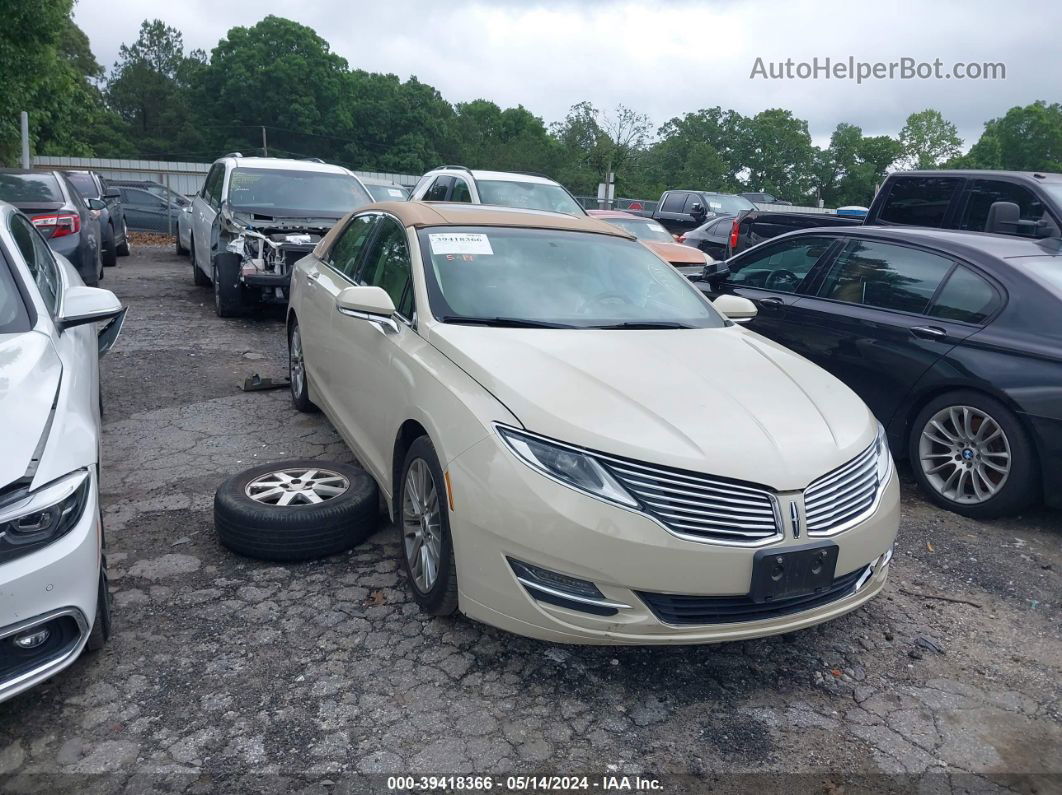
point(663, 59)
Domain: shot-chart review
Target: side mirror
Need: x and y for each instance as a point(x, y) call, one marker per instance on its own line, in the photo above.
point(82, 305)
point(736, 308)
point(698, 212)
point(367, 303)
point(1003, 218)
point(716, 273)
point(96, 204)
point(112, 193)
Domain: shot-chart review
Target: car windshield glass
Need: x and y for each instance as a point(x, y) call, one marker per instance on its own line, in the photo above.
point(22, 188)
point(85, 185)
point(643, 229)
point(297, 193)
point(529, 195)
point(548, 277)
point(387, 193)
point(718, 203)
point(13, 316)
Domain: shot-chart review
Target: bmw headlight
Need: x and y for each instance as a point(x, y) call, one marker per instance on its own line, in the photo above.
point(569, 465)
point(29, 521)
point(884, 455)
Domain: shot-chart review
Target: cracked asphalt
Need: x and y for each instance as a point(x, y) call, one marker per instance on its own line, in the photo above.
point(226, 673)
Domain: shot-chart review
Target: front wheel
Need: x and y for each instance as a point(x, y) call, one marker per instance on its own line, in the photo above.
point(970, 454)
point(123, 247)
point(228, 294)
point(424, 521)
point(109, 253)
point(300, 388)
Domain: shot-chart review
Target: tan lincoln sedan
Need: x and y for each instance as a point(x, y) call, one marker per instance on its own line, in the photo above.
point(574, 443)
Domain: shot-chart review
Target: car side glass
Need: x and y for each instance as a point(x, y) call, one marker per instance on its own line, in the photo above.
point(387, 263)
point(781, 267)
point(460, 192)
point(885, 276)
point(344, 254)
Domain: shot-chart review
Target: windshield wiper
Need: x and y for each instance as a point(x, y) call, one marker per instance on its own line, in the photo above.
point(643, 324)
point(506, 322)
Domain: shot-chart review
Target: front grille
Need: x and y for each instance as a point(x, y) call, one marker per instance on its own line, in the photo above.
point(695, 505)
point(843, 494)
point(675, 609)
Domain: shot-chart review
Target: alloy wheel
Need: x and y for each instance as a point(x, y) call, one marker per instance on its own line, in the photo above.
point(297, 487)
point(296, 367)
point(422, 525)
point(964, 454)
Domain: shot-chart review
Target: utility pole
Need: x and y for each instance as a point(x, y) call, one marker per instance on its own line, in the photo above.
point(265, 146)
point(25, 140)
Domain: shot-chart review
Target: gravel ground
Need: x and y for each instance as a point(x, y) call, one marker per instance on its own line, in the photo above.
point(322, 677)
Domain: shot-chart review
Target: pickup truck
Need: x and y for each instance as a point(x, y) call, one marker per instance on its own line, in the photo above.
point(724, 237)
point(1018, 203)
point(680, 211)
point(113, 231)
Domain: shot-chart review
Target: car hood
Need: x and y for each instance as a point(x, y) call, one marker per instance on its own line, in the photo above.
point(29, 378)
point(675, 253)
point(721, 401)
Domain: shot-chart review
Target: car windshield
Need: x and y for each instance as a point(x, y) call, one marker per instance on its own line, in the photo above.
point(295, 193)
point(85, 185)
point(643, 229)
point(13, 317)
point(554, 278)
point(725, 203)
point(22, 188)
point(528, 195)
point(388, 193)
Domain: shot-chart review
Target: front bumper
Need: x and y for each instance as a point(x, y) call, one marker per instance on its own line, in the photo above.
point(57, 583)
point(503, 510)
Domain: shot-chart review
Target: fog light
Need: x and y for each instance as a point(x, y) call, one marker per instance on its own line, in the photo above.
point(31, 640)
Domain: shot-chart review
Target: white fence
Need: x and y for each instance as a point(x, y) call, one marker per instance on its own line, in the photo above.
point(184, 178)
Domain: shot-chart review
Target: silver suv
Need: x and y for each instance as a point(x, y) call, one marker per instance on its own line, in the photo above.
point(504, 188)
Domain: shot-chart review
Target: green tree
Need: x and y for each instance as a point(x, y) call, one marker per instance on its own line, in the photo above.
point(1025, 139)
point(775, 150)
point(928, 140)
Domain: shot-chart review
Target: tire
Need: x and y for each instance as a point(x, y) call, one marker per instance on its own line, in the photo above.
point(266, 531)
point(101, 625)
point(199, 278)
point(439, 598)
point(108, 252)
point(950, 446)
point(178, 248)
point(123, 247)
point(90, 271)
point(228, 294)
point(298, 379)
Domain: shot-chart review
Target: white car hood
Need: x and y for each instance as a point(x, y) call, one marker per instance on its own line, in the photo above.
point(29, 376)
point(722, 401)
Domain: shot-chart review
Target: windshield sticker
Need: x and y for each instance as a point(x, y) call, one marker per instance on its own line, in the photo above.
point(395, 192)
point(459, 243)
point(657, 228)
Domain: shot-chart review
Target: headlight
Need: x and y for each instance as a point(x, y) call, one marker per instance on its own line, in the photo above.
point(570, 466)
point(40, 517)
point(881, 445)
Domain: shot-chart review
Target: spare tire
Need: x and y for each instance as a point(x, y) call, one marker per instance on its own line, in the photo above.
point(296, 510)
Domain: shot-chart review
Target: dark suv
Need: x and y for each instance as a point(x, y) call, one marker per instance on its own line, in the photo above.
point(953, 339)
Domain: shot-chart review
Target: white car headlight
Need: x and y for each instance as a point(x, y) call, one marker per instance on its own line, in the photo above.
point(570, 466)
point(881, 445)
point(40, 517)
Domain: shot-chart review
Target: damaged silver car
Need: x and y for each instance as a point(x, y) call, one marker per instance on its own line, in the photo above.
point(255, 217)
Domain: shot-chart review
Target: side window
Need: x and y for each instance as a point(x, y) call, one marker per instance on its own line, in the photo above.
point(919, 201)
point(39, 260)
point(965, 296)
point(885, 276)
point(437, 192)
point(460, 193)
point(692, 199)
point(780, 266)
point(673, 202)
point(387, 265)
point(347, 248)
point(212, 187)
point(141, 198)
point(982, 193)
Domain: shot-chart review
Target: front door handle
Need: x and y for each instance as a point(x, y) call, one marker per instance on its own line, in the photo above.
point(929, 332)
point(772, 301)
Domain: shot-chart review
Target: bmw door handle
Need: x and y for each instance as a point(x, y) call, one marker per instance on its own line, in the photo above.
point(929, 332)
point(772, 301)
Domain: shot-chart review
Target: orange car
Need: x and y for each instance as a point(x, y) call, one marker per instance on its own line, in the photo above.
point(688, 260)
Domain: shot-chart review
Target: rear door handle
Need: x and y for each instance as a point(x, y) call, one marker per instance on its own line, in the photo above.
point(929, 332)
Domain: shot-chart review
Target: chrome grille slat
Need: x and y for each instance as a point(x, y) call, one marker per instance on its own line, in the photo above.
point(697, 505)
point(843, 494)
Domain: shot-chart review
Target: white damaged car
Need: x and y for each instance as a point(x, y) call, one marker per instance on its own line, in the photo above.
point(54, 600)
